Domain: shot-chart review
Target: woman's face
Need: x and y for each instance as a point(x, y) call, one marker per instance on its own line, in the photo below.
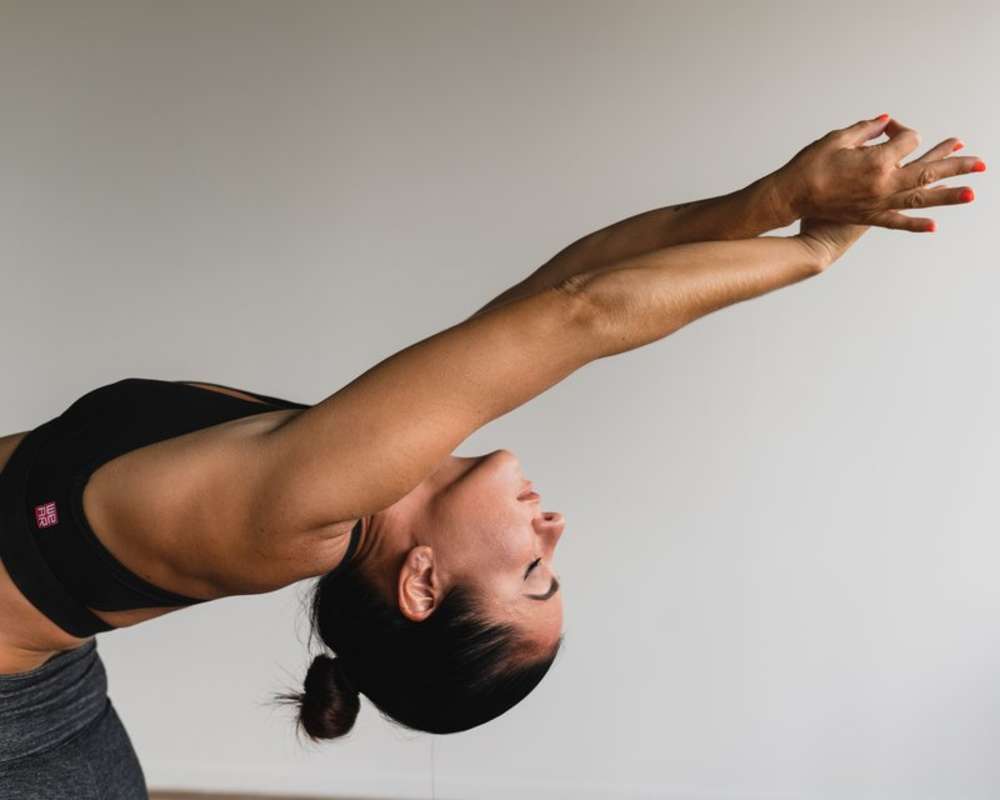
point(486, 534)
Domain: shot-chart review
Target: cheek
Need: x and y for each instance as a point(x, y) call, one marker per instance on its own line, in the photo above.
point(495, 523)
point(494, 530)
point(502, 550)
point(498, 557)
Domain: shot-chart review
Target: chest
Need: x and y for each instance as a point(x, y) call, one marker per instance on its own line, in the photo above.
point(161, 511)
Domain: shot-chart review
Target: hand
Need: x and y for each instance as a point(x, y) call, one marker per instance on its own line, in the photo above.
point(838, 178)
point(829, 240)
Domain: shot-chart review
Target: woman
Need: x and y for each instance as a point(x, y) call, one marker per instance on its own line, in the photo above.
point(436, 590)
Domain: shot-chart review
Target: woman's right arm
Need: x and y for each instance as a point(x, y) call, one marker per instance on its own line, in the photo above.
point(645, 298)
point(377, 438)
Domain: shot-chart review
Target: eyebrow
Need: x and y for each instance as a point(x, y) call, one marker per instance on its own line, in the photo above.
point(553, 588)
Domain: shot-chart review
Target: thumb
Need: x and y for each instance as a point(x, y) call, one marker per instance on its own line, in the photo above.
point(860, 132)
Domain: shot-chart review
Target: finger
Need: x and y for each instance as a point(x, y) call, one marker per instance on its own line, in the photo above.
point(919, 173)
point(941, 150)
point(926, 197)
point(902, 142)
point(861, 132)
point(901, 222)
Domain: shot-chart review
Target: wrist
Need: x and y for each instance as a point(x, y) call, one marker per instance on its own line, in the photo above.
point(818, 253)
point(784, 197)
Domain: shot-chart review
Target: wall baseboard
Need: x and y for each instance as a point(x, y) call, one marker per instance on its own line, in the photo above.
point(167, 794)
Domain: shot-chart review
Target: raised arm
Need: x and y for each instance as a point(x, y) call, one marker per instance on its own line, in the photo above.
point(835, 177)
point(755, 209)
point(646, 298)
point(374, 440)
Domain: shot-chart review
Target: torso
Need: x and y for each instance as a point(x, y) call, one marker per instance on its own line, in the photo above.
point(167, 551)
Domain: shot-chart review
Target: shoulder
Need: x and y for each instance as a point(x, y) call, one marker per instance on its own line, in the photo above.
point(188, 513)
point(228, 519)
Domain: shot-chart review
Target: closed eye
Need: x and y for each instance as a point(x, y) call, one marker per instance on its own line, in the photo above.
point(553, 588)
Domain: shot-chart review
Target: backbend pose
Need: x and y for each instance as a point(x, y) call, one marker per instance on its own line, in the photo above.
point(436, 586)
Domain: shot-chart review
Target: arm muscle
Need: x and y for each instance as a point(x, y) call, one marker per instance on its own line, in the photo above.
point(371, 442)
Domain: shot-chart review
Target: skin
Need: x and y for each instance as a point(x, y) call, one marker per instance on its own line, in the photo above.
point(841, 187)
point(28, 638)
point(464, 524)
point(837, 178)
point(840, 179)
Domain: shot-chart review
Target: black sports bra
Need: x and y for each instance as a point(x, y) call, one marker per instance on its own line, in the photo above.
point(46, 542)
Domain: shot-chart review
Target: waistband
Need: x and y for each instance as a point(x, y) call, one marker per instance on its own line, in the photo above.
point(42, 708)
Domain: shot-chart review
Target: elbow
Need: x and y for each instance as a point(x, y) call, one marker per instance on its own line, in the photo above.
point(586, 314)
point(579, 302)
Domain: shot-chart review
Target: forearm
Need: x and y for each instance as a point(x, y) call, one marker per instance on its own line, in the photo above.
point(648, 297)
point(743, 214)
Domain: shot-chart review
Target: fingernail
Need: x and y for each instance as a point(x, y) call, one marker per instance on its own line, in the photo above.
point(931, 227)
point(958, 146)
point(966, 195)
point(882, 117)
point(979, 166)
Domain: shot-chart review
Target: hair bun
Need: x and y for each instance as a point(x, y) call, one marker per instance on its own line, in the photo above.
point(330, 703)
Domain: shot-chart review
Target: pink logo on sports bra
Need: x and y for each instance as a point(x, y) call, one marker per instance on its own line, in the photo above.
point(45, 515)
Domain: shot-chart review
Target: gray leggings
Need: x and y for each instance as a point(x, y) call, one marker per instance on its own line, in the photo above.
point(60, 736)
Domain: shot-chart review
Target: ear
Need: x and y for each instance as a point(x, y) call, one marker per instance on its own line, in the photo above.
point(419, 589)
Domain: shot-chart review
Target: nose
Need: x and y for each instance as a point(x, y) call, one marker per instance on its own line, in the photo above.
point(550, 526)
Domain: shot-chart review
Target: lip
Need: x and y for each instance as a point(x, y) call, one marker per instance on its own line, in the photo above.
point(528, 492)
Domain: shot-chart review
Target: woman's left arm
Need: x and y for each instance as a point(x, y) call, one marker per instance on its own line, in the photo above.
point(835, 177)
point(744, 214)
point(762, 206)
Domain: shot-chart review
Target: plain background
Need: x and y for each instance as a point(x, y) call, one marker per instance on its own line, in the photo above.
point(780, 562)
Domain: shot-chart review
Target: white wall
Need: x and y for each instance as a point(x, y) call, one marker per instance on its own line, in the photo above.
point(780, 559)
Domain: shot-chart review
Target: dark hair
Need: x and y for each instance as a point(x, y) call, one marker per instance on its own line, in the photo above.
point(451, 672)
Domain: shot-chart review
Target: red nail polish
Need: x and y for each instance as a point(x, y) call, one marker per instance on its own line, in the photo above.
point(966, 195)
point(979, 166)
point(958, 146)
point(882, 117)
point(931, 226)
